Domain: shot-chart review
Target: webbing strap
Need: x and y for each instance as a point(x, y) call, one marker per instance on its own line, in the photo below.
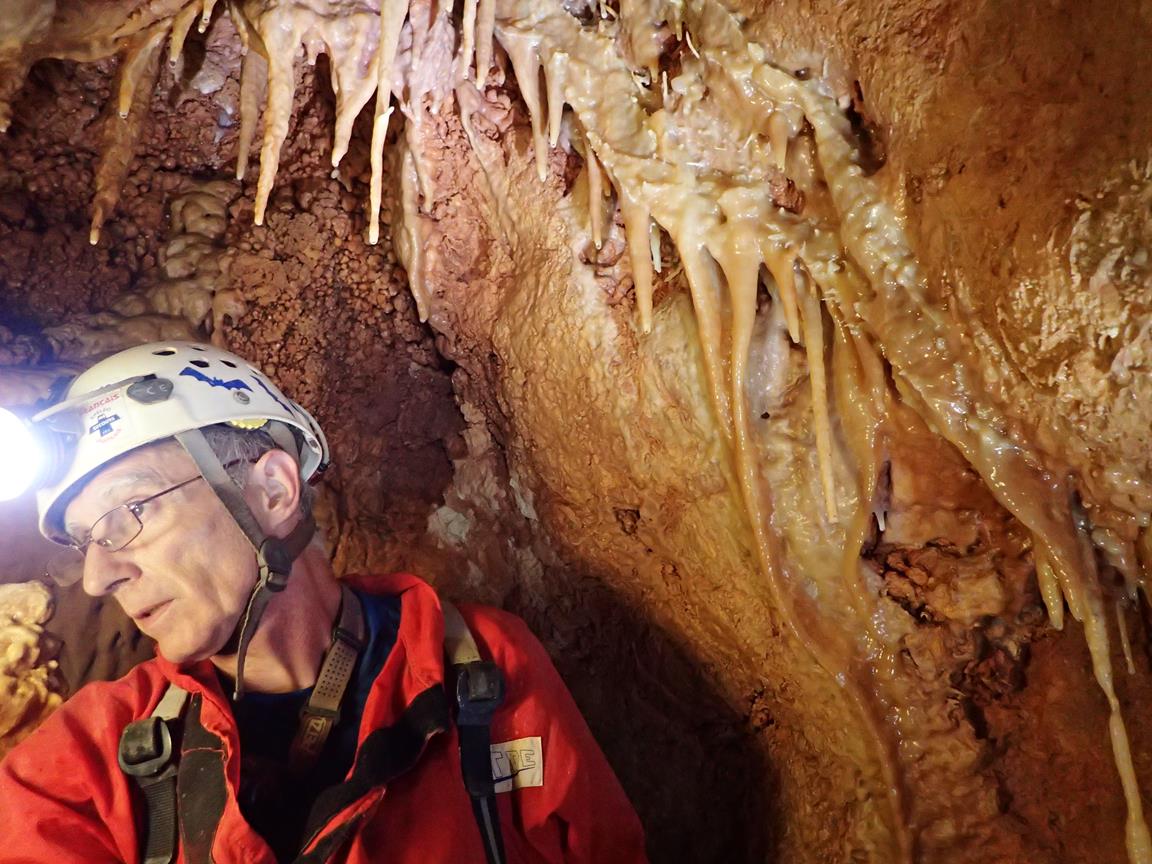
point(479, 692)
point(459, 645)
point(322, 712)
point(147, 755)
point(197, 446)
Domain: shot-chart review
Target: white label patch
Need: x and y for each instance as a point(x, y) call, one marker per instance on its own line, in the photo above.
point(102, 418)
point(518, 764)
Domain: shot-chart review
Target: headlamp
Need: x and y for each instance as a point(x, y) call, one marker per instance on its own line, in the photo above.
point(36, 451)
point(28, 451)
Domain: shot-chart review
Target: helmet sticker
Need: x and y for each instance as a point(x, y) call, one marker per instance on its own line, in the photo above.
point(102, 418)
point(211, 381)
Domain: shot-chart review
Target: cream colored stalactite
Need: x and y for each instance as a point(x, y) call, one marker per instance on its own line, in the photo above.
point(280, 31)
point(392, 15)
point(920, 352)
point(354, 39)
point(523, 50)
point(352, 83)
point(181, 24)
point(1049, 589)
point(409, 238)
point(704, 286)
point(138, 65)
point(122, 126)
point(253, 85)
point(467, 54)
point(781, 263)
point(596, 194)
point(637, 230)
point(554, 68)
point(485, 39)
point(206, 10)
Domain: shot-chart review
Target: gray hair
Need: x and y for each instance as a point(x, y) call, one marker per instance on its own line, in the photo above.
point(245, 446)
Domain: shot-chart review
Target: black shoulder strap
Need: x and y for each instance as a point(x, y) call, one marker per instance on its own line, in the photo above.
point(147, 755)
point(479, 692)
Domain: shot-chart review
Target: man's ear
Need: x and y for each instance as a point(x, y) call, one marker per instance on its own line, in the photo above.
point(273, 492)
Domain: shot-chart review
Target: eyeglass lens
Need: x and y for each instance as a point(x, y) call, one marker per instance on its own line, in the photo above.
point(116, 528)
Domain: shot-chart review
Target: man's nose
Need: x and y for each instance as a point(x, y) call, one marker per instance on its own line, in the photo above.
point(104, 571)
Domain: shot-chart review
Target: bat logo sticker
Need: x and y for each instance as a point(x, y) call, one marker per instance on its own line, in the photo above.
point(211, 381)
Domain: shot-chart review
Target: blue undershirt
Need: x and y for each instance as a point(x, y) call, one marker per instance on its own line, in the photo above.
point(275, 802)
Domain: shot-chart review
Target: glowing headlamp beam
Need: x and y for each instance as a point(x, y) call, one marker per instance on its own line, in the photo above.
point(23, 458)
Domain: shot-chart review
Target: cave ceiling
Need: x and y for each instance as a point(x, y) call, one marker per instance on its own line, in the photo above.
point(785, 365)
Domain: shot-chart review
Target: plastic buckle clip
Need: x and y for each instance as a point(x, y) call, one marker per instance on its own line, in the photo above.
point(145, 748)
point(479, 692)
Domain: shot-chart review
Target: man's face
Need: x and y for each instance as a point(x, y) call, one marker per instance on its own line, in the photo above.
point(187, 576)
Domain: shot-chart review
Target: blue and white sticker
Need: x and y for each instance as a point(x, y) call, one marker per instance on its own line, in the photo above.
point(104, 419)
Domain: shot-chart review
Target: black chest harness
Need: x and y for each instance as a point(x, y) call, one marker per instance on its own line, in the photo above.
point(149, 755)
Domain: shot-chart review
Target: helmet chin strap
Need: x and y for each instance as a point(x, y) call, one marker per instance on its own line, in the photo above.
point(274, 556)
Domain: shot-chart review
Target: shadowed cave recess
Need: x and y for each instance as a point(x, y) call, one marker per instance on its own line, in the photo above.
point(784, 365)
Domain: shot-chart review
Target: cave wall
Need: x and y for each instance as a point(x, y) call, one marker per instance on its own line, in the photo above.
point(770, 680)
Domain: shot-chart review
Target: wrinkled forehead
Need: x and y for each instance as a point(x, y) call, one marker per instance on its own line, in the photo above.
point(144, 469)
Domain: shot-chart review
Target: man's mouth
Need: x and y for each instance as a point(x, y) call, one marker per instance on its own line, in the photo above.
point(150, 613)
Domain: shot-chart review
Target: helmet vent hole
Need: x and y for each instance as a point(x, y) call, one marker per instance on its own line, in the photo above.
point(203, 364)
point(229, 364)
point(197, 347)
point(164, 352)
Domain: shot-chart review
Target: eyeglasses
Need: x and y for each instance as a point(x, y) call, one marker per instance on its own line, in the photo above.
point(121, 525)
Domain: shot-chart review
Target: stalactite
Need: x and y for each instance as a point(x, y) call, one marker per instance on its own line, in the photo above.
point(393, 13)
point(122, 126)
point(253, 84)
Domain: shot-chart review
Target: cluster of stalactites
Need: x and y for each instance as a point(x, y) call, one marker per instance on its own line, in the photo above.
point(362, 42)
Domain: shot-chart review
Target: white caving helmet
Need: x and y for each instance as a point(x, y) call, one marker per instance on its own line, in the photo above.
point(120, 404)
point(173, 390)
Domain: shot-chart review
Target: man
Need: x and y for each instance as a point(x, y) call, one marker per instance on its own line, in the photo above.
point(285, 718)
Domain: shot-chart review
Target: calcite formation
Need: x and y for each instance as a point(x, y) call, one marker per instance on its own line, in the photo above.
point(29, 685)
point(782, 365)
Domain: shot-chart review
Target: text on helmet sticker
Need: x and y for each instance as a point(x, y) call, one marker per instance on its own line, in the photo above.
point(518, 764)
point(102, 418)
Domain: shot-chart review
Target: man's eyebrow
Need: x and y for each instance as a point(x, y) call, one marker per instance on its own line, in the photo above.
point(130, 480)
point(116, 486)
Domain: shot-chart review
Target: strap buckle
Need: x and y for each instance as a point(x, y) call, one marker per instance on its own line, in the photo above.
point(479, 692)
point(146, 748)
point(352, 640)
